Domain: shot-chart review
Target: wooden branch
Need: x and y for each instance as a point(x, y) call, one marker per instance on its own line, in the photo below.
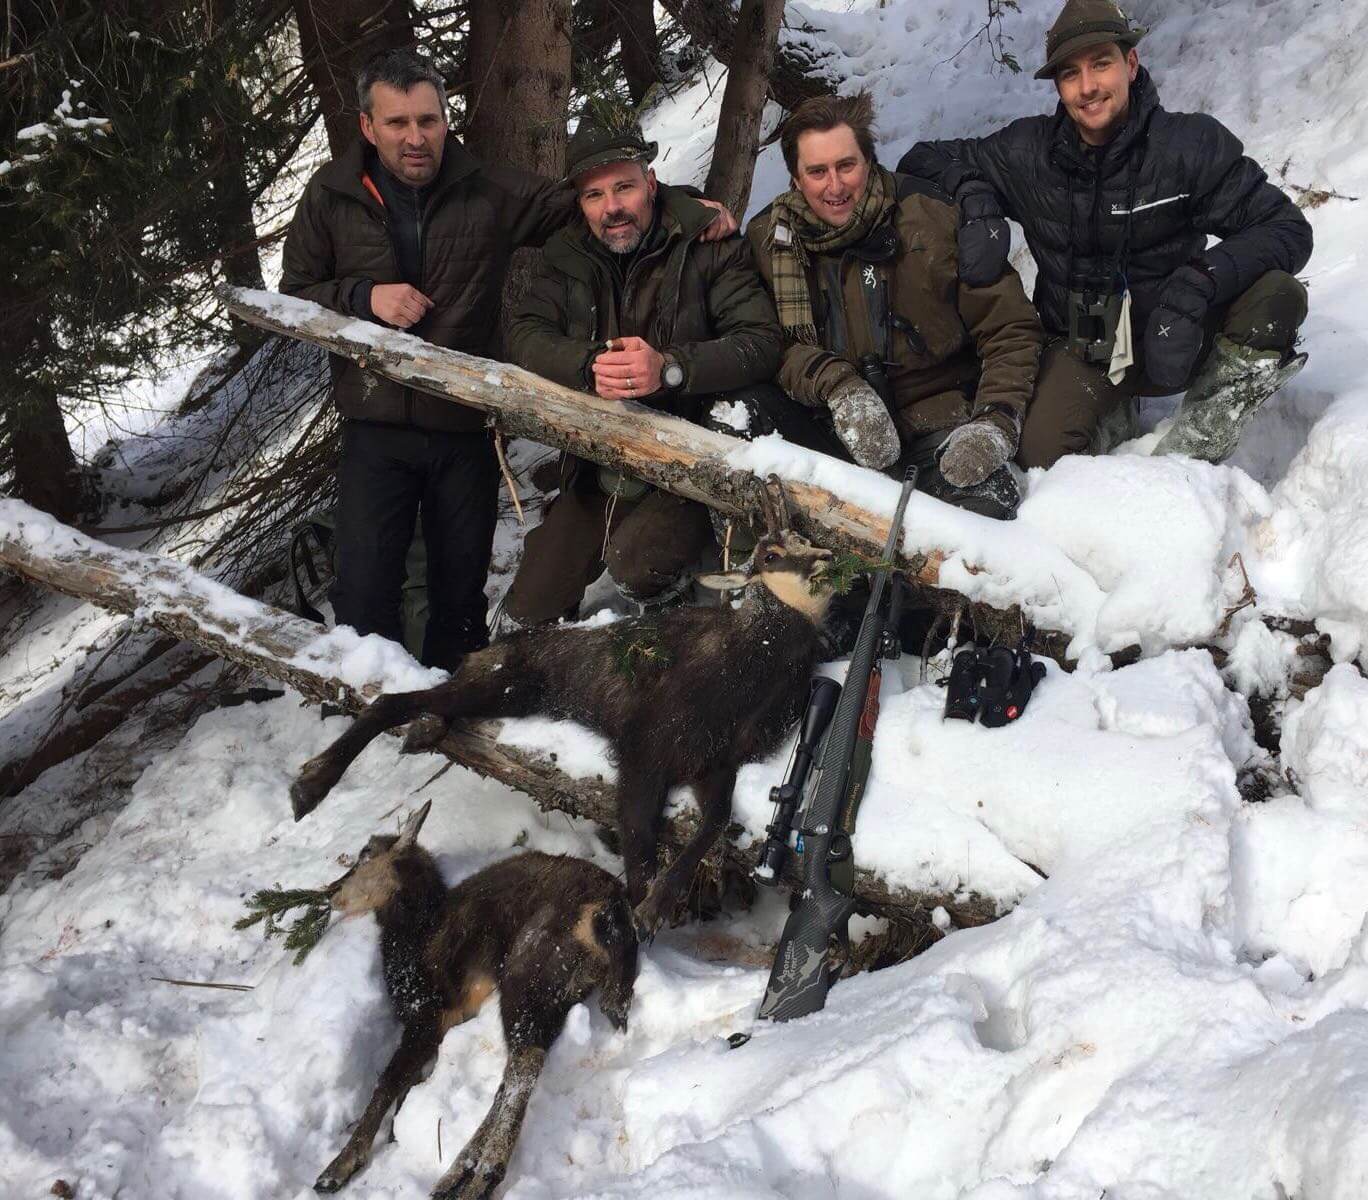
point(675, 455)
point(181, 602)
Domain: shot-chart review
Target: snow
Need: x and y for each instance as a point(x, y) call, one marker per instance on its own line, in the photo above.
point(1174, 1005)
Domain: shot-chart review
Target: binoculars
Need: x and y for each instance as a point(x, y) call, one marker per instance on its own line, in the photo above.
point(992, 685)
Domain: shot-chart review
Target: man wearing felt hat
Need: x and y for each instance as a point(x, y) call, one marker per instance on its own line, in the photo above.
point(632, 304)
point(1117, 197)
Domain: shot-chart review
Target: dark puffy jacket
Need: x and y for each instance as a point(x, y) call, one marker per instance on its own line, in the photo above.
point(951, 351)
point(476, 216)
point(1143, 204)
point(701, 301)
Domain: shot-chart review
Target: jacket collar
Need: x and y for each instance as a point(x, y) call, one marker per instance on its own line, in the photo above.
point(1068, 149)
point(345, 173)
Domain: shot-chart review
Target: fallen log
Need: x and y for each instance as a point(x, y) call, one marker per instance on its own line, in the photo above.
point(675, 455)
point(196, 609)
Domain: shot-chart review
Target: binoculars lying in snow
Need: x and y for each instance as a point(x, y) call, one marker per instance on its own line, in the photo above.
point(992, 685)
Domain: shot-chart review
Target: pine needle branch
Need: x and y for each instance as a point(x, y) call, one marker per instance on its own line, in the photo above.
point(270, 904)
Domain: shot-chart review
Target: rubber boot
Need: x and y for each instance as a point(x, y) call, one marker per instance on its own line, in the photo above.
point(1233, 382)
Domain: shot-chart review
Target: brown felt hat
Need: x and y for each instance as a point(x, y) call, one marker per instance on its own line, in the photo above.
point(598, 141)
point(1084, 23)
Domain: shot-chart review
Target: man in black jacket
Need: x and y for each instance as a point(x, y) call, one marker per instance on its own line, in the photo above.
point(1117, 197)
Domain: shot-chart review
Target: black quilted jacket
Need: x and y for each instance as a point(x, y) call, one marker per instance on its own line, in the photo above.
point(1138, 207)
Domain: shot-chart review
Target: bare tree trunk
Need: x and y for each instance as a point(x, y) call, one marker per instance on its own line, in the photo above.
point(519, 97)
point(743, 103)
point(640, 46)
point(335, 38)
point(45, 472)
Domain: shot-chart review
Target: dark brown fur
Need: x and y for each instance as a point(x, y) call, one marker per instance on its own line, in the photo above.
point(685, 696)
point(545, 930)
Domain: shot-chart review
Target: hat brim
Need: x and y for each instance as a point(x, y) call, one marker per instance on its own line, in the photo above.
point(604, 157)
point(1083, 41)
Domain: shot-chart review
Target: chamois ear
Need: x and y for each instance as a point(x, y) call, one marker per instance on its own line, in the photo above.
point(408, 835)
point(721, 582)
point(774, 487)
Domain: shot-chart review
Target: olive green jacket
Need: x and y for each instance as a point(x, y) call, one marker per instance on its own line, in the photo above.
point(951, 352)
point(702, 302)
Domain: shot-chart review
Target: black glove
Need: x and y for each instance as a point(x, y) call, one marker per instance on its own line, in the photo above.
point(984, 237)
point(1173, 336)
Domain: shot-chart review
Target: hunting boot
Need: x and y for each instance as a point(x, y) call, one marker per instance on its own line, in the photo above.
point(1233, 382)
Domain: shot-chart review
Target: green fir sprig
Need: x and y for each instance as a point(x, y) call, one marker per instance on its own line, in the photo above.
point(842, 570)
point(270, 904)
point(637, 645)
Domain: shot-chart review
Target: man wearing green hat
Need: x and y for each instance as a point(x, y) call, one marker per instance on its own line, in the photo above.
point(1117, 197)
point(631, 304)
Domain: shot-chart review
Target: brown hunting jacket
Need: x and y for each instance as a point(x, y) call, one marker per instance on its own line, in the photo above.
point(951, 352)
point(475, 217)
point(701, 301)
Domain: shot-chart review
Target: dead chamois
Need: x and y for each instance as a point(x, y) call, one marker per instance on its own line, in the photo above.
point(685, 696)
point(543, 930)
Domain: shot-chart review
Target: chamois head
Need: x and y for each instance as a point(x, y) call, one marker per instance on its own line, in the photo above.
point(374, 880)
point(783, 561)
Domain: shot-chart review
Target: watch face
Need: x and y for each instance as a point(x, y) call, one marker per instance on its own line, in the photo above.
point(674, 375)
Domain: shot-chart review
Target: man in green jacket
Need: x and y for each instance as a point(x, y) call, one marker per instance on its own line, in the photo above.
point(629, 303)
point(913, 364)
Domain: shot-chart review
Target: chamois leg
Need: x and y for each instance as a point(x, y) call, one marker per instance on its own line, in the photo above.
point(544, 977)
point(320, 774)
point(417, 1048)
point(713, 793)
point(642, 789)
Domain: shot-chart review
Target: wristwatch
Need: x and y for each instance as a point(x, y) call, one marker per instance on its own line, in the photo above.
point(672, 373)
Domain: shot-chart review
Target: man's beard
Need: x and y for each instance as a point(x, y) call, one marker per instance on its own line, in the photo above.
point(628, 236)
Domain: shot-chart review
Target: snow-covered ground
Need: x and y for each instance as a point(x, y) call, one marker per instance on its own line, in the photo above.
point(1172, 1010)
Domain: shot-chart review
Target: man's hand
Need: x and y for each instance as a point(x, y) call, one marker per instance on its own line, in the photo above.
point(627, 370)
point(863, 424)
point(985, 239)
point(1173, 335)
point(973, 452)
point(399, 304)
point(723, 225)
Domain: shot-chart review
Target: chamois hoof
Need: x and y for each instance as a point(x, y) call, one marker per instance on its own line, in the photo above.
point(308, 790)
point(338, 1173)
point(423, 733)
point(470, 1179)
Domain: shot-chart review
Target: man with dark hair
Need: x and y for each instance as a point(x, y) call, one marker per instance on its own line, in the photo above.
point(1117, 197)
point(406, 228)
point(881, 330)
point(631, 304)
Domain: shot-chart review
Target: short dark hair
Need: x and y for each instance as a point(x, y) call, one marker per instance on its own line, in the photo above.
point(400, 69)
point(821, 113)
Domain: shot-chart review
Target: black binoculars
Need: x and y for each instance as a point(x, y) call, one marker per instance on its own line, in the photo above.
point(992, 685)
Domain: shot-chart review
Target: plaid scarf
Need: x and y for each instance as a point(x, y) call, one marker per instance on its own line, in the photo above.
point(795, 234)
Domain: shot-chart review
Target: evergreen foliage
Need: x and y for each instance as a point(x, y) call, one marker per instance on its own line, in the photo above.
point(270, 904)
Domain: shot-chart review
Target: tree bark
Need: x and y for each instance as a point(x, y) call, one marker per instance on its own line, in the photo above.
point(519, 98)
point(45, 471)
point(189, 606)
point(335, 39)
point(743, 104)
point(798, 73)
point(636, 27)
